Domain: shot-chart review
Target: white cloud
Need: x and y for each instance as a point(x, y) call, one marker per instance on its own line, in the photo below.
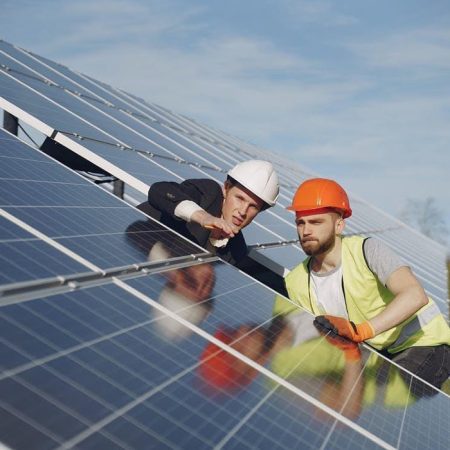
point(235, 73)
point(90, 26)
point(424, 49)
point(319, 12)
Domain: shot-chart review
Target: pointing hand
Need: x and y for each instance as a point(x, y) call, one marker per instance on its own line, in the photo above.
point(221, 228)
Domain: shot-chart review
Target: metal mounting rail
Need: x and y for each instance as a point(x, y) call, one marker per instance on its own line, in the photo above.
point(297, 242)
point(16, 292)
point(273, 244)
point(148, 153)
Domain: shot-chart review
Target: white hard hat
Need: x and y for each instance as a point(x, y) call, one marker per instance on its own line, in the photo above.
point(258, 177)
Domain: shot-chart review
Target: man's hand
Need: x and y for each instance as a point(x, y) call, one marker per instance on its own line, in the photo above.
point(349, 348)
point(220, 228)
point(345, 328)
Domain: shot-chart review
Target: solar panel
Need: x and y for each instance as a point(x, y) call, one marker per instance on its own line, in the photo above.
point(99, 370)
point(118, 333)
point(74, 212)
point(25, 258)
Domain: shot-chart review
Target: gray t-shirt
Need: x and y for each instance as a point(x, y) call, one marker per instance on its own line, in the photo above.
point(381, 259)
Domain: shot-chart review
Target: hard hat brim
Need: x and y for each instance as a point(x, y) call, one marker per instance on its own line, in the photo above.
point(309, 211)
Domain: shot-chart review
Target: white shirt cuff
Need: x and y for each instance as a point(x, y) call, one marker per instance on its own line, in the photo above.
point(219, 243)
point(185, 209)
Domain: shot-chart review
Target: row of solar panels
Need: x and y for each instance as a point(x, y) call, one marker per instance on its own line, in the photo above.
point(94, 356)
point(108, 323)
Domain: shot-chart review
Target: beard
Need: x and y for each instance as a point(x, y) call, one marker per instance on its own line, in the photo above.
point(313, 248)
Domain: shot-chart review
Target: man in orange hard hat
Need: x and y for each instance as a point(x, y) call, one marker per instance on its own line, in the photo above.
point(360, 289)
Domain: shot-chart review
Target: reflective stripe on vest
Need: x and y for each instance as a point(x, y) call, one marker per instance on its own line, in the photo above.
point(423, 318)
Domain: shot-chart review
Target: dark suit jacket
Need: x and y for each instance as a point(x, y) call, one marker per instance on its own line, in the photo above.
point(163, 197)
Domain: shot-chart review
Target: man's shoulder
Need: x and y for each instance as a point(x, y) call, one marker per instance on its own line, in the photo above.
point(354, 240)
point(370, 247)
point(298, 270)
point(353, 247)
point(381, 259)
point(204, 188)
point(203, 183)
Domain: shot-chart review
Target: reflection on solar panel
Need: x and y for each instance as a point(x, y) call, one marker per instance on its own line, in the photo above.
point(118, 333)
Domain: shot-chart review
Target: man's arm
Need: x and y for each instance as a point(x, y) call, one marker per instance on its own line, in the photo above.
point(187, 200)
point(165, 196)
point(409, 298)
point(394, 273)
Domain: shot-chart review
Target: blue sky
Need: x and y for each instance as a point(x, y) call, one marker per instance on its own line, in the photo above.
point(356, 90)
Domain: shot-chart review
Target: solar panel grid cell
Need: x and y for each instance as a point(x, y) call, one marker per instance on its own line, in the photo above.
point(426, 429)
point(24, 258)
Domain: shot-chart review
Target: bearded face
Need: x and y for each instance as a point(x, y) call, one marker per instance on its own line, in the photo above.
point(318, 232)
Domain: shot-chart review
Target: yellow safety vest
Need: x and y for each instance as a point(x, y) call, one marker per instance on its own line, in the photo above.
point(365, 298)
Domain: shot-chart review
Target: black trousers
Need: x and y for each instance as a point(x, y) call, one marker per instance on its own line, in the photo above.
point(432, 364)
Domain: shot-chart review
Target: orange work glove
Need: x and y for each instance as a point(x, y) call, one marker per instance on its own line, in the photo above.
point(349, 348)
point(343, 327)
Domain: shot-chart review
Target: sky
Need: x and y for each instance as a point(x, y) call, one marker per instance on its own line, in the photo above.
point(355, 90)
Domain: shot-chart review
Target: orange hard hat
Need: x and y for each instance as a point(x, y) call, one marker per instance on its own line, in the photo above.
point(218, 367)
point(319, 195)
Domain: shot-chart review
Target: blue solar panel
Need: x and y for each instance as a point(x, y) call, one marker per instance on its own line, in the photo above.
point(23, 257)
point(73, 212)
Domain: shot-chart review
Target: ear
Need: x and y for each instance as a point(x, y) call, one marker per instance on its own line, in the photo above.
point(226, 186)
point(339, 225)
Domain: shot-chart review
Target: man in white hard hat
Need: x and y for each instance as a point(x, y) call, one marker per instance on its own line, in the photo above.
point(213, 215)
